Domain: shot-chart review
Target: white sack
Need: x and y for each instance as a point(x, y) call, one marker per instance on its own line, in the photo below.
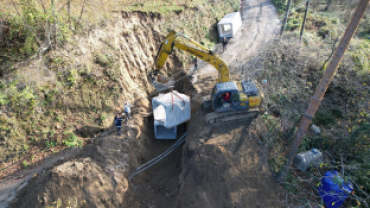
point(171, 109)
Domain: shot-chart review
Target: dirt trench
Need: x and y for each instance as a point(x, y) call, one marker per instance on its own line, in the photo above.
point(217, 167)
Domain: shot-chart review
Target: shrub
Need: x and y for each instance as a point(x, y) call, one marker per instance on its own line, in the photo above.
point(72, 77)
point(3, 98)
point(24, 164)
point(295, 21)
point(324, 117)
point(71, 140)
point(50, 144)
point(322, 33)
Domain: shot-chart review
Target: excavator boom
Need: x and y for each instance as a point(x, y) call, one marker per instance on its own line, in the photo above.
point(172, 40)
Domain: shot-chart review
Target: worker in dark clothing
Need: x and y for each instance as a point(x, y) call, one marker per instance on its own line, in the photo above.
point(224, 43)
point(195, 61)
point(117, 121)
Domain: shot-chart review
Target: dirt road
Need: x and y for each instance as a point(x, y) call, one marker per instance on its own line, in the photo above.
point(260, 25)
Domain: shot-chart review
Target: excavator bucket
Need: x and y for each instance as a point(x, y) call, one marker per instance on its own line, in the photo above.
point(162, 83)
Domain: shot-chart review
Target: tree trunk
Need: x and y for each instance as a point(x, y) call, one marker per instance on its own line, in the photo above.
point(286, 17)
point(304, 19)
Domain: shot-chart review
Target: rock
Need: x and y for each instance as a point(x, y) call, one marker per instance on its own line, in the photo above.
point(86, 160)
point(315, 129)
point(144, 103)
point(201, 141)
point(192, 146)
point(34, 176)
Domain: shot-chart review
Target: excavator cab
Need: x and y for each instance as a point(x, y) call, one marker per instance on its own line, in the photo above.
point(227, 97)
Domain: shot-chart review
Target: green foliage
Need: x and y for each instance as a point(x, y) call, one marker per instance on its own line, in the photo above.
point(235, 5)
point(72, 77)
point(34, 23)
point(26, 94)
point(103, 117)
point(364, 28)
point(280, 5)
point(70, 203)
point(361, 60)
point(337, 113)
point(104, 60)
point(324, 117)
point(24, 97)
point(295, 21)
point(71, 140)
point(24, 164)
point(3, 98)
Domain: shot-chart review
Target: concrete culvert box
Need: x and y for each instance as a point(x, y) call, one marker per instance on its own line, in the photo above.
point(161, 132)
point(229, 25)
point(170, 110)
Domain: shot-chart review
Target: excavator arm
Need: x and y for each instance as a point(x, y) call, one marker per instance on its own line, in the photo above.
point(190, 46)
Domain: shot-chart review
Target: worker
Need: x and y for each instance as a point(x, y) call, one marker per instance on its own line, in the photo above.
point(195, 61)
point(226, 97)
point(128, 110)
point(224, 43)
point(117, 121)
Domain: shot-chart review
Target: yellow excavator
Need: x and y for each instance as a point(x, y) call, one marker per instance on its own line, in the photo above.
point(229, 100)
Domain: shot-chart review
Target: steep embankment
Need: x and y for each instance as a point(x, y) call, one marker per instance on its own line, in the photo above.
point(120, 54)
point(98, 175)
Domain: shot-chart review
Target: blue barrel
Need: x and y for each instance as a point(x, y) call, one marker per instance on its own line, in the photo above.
point(333, 189)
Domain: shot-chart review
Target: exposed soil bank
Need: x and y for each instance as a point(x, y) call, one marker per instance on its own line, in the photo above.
point(97, 176)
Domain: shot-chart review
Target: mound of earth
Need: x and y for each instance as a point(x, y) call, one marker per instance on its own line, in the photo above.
point(82, 179)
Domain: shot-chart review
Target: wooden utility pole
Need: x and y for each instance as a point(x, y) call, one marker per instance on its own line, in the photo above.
point(304, 19)
point(321, 89)
point(286, 17)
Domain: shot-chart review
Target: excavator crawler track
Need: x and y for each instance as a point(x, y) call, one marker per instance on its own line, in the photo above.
point(216, 119)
